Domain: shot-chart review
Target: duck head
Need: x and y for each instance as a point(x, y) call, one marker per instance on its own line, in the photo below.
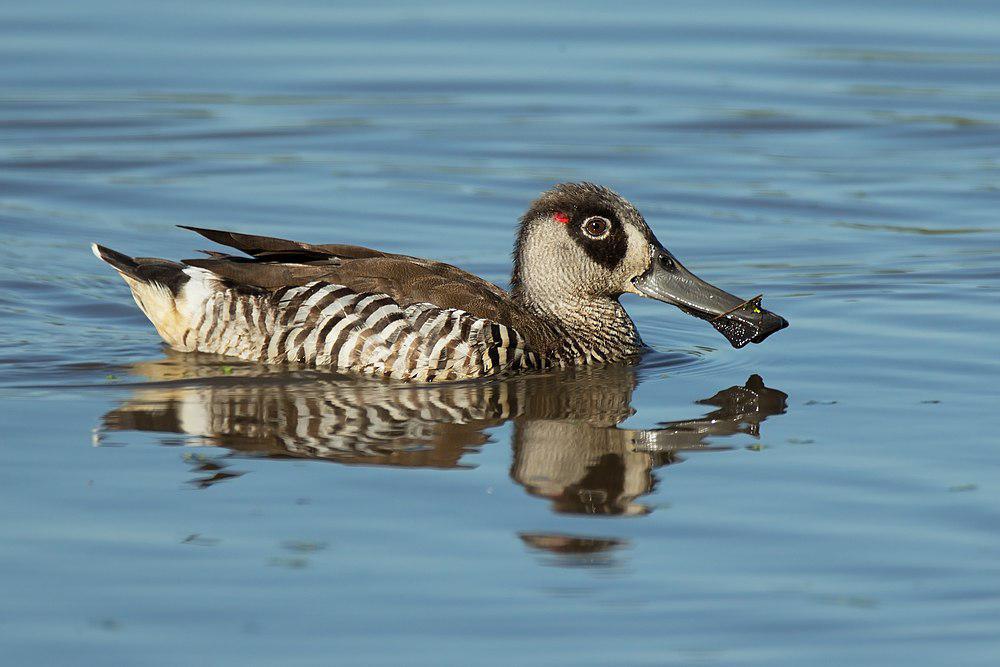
point(581, 242)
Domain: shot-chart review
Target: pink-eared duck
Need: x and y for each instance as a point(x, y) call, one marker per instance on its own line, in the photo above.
point(579, 248)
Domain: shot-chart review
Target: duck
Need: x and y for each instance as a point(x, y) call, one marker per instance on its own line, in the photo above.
point(579, 248)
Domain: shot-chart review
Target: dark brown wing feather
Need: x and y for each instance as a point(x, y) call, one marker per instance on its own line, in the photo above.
point(280, 263)
point(259, 246)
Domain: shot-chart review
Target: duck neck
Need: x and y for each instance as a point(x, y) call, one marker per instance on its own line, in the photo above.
point(587, 328)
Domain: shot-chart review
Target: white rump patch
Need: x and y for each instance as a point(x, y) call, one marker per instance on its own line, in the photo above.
point(197, 291)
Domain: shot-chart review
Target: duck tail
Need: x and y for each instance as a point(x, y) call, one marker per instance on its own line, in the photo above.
point(156, 286)
point(124, 264)
point(148, 270)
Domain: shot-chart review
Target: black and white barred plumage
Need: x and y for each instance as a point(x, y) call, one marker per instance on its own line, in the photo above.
point(325, 324)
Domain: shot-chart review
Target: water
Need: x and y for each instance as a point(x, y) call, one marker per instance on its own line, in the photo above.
point(828, 497)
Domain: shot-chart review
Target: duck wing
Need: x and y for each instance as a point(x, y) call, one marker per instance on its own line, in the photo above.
point(278, 263)
point(275, 249)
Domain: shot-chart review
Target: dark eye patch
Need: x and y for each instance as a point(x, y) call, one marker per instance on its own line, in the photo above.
point(608, 251)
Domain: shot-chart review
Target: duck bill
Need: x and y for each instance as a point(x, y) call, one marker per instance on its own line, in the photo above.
point(740, 321)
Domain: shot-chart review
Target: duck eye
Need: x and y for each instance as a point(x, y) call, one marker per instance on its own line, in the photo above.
point(596, 227)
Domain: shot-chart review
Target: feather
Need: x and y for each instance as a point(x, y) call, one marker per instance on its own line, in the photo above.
point(279, 263)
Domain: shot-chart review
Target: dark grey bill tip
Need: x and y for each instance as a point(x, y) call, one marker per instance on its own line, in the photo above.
point(742, 328)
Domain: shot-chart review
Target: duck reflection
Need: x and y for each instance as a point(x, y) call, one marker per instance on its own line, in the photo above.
point(574, 550)
point(566, 441)
point(588, 466)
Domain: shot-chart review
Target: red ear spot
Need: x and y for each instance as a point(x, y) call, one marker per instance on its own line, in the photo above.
point(561, 217)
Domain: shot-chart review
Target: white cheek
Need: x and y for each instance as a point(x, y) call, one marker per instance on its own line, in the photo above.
point(637, 252)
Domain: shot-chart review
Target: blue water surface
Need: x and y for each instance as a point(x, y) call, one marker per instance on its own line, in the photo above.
point(829, 497)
